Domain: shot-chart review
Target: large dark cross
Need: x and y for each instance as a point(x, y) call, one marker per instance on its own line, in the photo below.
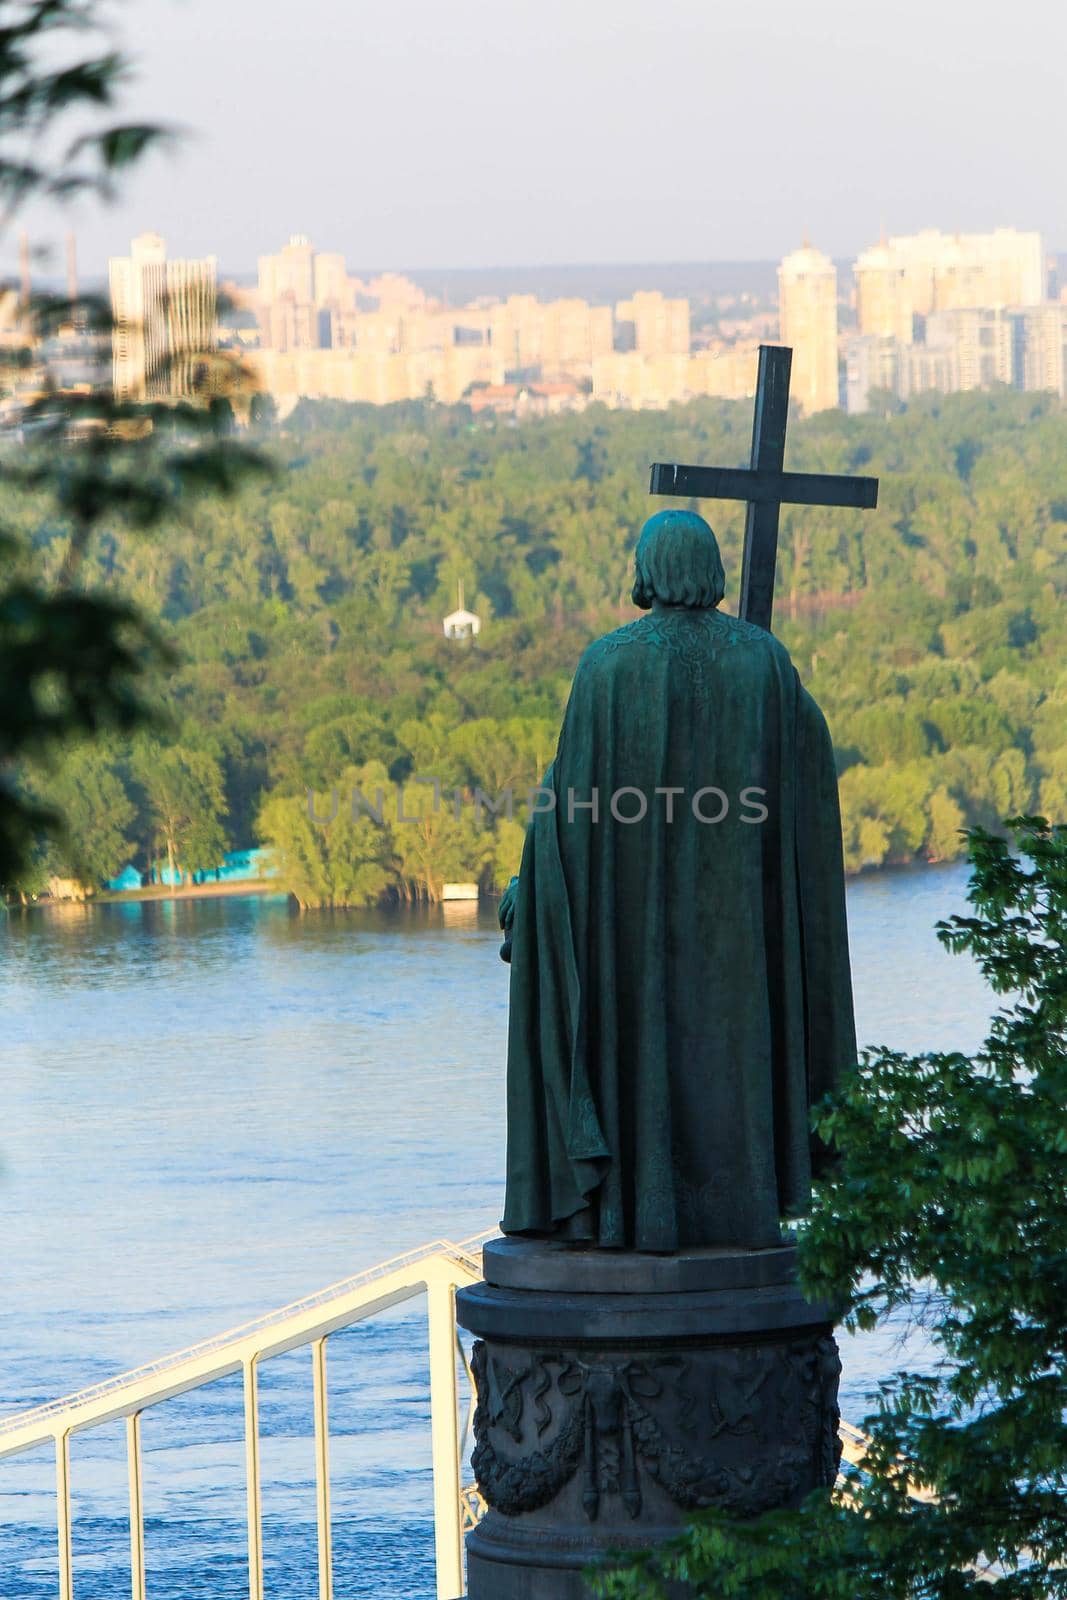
point(764, 485)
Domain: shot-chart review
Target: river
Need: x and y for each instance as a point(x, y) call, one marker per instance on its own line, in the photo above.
point(212, 1108)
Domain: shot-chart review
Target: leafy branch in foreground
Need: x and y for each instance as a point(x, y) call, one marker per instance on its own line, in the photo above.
point(37, 101)
point(75, 662)
point(949, 1208)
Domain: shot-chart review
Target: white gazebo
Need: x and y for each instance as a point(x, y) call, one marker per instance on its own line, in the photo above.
point(461, 624)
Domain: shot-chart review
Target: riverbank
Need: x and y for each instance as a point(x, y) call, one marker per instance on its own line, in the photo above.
point(192, 891)
point(270, 886)
point(161, 891)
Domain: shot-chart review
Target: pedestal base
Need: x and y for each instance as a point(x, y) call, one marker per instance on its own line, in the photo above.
point(618, 1393)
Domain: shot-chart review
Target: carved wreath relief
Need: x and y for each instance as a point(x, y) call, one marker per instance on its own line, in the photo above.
point(769, 1412)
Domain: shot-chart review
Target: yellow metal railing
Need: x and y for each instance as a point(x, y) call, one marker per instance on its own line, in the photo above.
point(436, 1269)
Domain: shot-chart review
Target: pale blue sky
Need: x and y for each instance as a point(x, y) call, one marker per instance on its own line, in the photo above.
point(488, 132)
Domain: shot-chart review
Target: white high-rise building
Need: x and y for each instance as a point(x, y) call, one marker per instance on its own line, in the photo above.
point(872, 361)
point(807, 312)
point(164, 320)
point(884, 305)
point(661, 326)
point(920, 274)
point(1041, 347)
point(982, 343)
point(304, 295)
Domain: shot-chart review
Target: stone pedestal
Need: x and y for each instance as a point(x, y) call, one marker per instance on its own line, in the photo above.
point(618, 1393)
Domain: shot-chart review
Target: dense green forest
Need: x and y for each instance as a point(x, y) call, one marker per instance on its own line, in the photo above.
point(304, 615)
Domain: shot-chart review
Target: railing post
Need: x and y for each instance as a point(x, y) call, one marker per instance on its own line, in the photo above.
point(66, 1549)
point(322, 1469)
point(133, 1468)
point(444, 1429)
point(252, 1485)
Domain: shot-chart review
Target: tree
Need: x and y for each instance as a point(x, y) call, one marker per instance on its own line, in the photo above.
point(95, 840)
point(1053, 796)
point(498, 755)
point(946, 826)
point(433, 845)
point(344, 742)
point(185, 798)
point(947, 1205)
point(331, 853)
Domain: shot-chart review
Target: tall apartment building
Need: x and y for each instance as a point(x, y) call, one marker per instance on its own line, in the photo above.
point(515, 332)
point(965, 271)
point(629, 381)
point(392, 289)
point(331, 285)
point(807, 311)
point(164, 315)
point(918, 275)
point(303, 293)
point(970, 348)
point(558, 338)
point(290, 273)
point(983, 343)
point(1040, 354)
point(626, 380)
point(727, 371)
point(375, 376)
point(872, 361)
point(884, 307)
point(927, 368)
point(660, 326)
point(573, 335)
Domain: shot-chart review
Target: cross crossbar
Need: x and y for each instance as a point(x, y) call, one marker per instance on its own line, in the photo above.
point(764, 486)
point(761, 487)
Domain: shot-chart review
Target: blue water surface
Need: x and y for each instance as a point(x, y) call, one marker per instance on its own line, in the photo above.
point(215, 1107)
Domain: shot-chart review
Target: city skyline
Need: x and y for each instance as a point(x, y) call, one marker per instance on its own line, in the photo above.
point(49, 263)
point(454, 137)
point(929, 310)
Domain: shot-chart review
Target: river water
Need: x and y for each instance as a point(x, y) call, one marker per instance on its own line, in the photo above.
point(212, 1108)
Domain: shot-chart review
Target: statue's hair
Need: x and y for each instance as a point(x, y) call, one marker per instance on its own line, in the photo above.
point(678, 562)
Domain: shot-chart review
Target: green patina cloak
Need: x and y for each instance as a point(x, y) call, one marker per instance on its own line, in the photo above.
point(680, 991)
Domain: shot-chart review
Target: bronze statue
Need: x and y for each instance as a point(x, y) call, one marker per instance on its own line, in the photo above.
point(680, 988)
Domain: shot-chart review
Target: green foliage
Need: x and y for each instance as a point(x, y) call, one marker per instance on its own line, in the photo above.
point(95, 840)
point(432, 845)
point(70, 665)
point(779, 1556)
point(185, 803)
point(42, 86)
point(309, 610)
point(369, 835)
point(948, 1208)
point(340, 861)
point(306, 608)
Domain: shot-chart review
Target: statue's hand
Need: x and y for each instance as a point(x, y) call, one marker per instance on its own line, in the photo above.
point(506, 917)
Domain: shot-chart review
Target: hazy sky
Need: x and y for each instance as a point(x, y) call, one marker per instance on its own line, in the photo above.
point(492, 132)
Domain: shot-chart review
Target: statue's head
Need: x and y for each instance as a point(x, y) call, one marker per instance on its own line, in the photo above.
point(678, 562)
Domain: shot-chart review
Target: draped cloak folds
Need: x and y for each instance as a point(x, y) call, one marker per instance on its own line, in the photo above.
point(680, 988)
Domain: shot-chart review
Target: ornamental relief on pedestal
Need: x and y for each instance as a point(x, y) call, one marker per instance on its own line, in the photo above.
point(768, 1412)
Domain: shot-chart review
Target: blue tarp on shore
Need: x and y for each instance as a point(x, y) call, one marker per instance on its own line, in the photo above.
point(236, 866)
